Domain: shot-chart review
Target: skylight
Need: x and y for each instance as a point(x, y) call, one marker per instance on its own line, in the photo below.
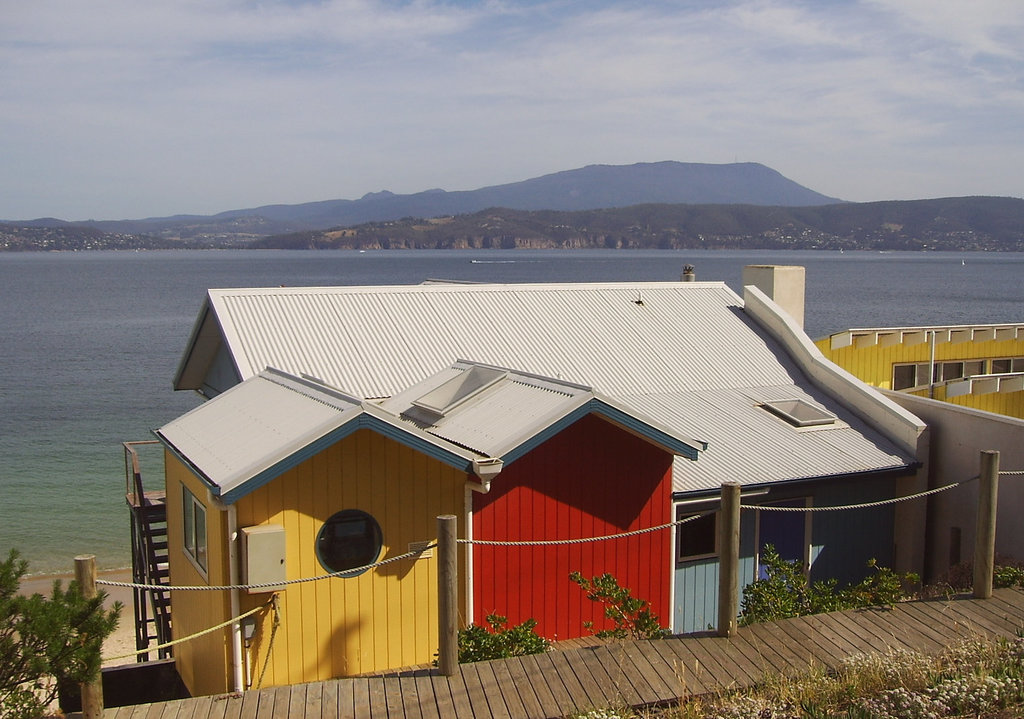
point(799, 413)
point(450, 394)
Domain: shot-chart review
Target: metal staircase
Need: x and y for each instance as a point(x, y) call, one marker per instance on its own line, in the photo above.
point(149, 556)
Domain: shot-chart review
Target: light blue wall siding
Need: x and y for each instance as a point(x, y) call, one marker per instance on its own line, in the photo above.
point(842, 542)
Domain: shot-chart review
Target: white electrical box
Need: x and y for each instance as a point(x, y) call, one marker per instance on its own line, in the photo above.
point(263, 557)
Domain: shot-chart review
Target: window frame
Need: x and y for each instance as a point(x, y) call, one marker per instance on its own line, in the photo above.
point(682, 512)
point(377, 538)
point(195, 534)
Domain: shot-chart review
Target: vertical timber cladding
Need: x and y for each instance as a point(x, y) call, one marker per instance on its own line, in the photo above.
point(382, 619)
point(591, 479)
point(204, 663)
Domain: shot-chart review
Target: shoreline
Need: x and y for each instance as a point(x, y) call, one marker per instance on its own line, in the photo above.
point(122, 641)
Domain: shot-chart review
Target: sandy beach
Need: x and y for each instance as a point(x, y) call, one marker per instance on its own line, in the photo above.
point(122, 641)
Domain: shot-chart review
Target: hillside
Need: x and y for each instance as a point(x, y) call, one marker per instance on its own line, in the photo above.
point(587, 188)
point(964, 223)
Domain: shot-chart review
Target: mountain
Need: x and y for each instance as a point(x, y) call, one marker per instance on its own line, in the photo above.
point(587, 188)
point(957, 223)
point(591, 187)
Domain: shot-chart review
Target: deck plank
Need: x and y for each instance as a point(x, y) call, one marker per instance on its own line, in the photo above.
point(442, 695)
point(652, 666)
point(424, 689)
point(360, 697)
point(689, 671)
point(636, 674)
point(916, 623)
point(529, 692)
point(474, 689)
point(1012, 616)
point(378, 700)
point(393, 697)
point(758, 656)
point(515, 694)
point(548, 683)
point(630, 687)
point(977, 611)
point(330, 700)
point(583, 696)
point(936, 616)
point(820, 651)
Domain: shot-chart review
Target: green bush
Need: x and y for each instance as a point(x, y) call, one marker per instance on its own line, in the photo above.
point(1008, 576)
point(478, 644)
point(60, 638)
point(786, 592)
point(632, 617)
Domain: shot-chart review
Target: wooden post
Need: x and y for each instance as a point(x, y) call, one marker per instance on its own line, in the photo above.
point(447, 599)
point(985, 529)
point(728, 559)
point(92, 692)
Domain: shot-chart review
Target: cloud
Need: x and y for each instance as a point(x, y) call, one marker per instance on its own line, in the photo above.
point(119, 108)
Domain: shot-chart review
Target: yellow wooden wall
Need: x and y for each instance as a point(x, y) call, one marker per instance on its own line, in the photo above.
point(204, 663)
point(383, 619)
point(874, 365)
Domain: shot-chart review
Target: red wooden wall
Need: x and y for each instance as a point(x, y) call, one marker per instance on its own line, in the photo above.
point(591, 479)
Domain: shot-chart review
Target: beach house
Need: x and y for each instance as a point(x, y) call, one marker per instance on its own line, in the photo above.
point(534, 411)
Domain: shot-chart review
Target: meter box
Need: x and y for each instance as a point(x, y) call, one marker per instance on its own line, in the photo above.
point(263, 557)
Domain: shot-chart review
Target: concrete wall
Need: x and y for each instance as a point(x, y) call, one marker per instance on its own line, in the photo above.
point(958, 435)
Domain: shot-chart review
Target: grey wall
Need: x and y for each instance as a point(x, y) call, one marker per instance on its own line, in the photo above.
point(958, 435)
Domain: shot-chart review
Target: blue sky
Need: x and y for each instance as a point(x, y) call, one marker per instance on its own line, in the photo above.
point(115, 109)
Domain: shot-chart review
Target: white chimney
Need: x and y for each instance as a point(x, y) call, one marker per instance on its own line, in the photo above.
point(784, 284)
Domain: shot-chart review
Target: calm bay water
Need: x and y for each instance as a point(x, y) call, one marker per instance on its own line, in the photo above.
point(89, 343)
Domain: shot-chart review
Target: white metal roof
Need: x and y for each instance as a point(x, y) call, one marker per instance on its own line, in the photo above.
point(256, 430)
point(512, 408)
point(261, 427)
point(750, 445)
point(685, 355)
point(623, 338)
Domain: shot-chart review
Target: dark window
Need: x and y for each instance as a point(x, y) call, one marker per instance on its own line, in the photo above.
point(696, 539)
point(904, 376)
point(348, 540)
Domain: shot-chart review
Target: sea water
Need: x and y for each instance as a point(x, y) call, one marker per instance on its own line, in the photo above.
point(90, 341)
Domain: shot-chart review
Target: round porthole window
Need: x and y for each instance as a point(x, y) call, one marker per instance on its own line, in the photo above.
point(349, 539)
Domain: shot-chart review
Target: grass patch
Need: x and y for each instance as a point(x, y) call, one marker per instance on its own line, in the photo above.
point(973, 678)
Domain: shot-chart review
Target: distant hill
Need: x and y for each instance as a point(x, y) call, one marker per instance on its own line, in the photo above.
point(592, 187)
point(960, 223)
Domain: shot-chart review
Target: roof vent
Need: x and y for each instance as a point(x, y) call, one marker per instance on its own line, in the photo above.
point(799, 413)
point(447, 396)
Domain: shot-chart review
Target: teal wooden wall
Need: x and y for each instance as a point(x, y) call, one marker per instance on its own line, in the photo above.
point(841, 543)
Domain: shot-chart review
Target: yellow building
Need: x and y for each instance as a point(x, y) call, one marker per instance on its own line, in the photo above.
point(307, 489)
point(976, 366)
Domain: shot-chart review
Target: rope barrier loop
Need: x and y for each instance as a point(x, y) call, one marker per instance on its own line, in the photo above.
point(190, 637)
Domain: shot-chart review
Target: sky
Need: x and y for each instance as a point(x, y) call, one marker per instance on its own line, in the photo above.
point(120, 109)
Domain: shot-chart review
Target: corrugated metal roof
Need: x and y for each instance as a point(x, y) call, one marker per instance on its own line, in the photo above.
point(750, 445)
point(624, 338)
point(254, 425)
point(514, 409)
point(684, 355)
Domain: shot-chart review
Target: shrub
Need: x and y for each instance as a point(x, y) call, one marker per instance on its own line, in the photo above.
point(786, 592)
point(60, 637)
point(632, 617)
point(478, 643)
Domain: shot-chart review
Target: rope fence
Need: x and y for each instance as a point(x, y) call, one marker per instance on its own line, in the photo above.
point(190, 637)
point(531, 543)
point(272, 603)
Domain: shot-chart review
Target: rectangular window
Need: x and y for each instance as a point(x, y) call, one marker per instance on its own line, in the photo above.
point(909, 376)
point(1007, 365)
point(698, 538)
point(194, 525)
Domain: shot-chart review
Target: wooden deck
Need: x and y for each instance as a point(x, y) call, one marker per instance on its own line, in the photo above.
point(638, 674)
